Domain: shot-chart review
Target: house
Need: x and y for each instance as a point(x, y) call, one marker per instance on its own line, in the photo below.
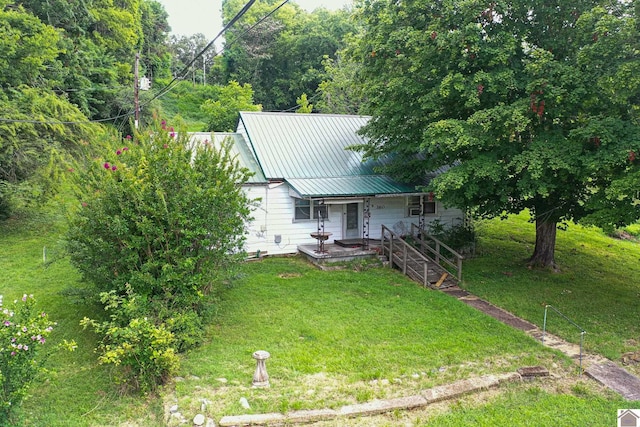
point(628, 418)
point(307, 180)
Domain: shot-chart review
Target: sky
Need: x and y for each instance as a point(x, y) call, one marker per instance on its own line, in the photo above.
point(187, 17)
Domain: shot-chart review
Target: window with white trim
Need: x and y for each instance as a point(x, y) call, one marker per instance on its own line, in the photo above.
point(413, 206)
point(303, 209)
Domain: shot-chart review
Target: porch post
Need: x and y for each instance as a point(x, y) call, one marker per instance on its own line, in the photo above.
point(365, 223)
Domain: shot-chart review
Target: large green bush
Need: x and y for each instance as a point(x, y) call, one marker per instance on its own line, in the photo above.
point(160, 223)
point(161, 215)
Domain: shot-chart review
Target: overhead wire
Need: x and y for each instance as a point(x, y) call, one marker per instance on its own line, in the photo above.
point(186, 68)
point(172, 83)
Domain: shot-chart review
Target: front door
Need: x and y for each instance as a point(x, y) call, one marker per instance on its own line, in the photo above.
point(351, 221)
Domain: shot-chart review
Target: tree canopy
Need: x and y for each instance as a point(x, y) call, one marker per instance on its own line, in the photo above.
point(528, 105)
point(64, 64)
point(282, 57)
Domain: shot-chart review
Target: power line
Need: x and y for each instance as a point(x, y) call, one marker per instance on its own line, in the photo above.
point(185, 69)
point(179, 75)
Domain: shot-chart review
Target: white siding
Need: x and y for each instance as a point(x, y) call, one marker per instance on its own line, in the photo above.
point(274, 216)
point(392, 211)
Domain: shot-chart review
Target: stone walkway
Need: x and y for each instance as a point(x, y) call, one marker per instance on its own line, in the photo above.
point(597, 367)
point(375, 407)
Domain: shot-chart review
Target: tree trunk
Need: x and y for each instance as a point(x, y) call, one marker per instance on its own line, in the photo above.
point(544, 252)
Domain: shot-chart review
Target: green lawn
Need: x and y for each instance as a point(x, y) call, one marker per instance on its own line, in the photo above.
point(335, 336)
point(348, 336)
point(77, 391)
point(598, 286)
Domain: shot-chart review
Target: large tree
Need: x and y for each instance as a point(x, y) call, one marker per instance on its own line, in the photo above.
point(282, 57)
point(528, 104)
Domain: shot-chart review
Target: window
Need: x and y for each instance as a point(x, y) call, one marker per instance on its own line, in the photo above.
point(413, 206)
point(303, 209)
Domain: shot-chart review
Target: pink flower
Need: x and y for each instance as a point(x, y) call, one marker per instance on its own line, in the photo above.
point(118, 152)
point(13, 353)
point(24, 297)
point(125, 148)
point(42, 340)
point(171, 129)
point(165, 146)
point(128, 137)
point(7, 323)
point(114, 167)
point(107, 165)
point(25, 348)
point(85, 204)
point(172, 134)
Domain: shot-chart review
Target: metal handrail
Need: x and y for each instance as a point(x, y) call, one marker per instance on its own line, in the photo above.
point(420, 233)
point(544, 328)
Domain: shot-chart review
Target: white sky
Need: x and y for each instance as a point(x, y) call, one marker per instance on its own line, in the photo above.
point(187, 17)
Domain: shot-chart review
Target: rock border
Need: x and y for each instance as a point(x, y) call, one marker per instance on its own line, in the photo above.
point(375, 407)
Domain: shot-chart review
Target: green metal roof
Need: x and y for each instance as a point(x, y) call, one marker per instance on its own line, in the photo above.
point(290, 145)
point(310, 152)
point(353, 186)
point(239, 149)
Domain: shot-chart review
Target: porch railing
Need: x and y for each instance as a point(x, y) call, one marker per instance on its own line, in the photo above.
point(438, 252)
point(406, 257)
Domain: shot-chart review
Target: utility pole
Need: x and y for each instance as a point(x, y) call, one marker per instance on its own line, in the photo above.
point(136, 89)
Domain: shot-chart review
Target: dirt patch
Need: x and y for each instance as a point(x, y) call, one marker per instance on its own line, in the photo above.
point(289, 275)
point(631, 358)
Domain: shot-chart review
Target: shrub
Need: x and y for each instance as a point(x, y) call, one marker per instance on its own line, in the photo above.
point(159, 227)
point(23, 333)
point(160, 215)
point(142, 350)
point(460, 237)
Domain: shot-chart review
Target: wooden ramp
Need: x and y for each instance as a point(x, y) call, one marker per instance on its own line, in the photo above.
point(414, 263)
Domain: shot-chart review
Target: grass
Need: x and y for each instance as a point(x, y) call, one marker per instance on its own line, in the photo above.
point(598, 287)
point(78, 391)
point(341, 337)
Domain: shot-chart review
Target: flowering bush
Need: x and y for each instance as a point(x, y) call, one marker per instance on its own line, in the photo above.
point(161, 215)
point(159, 227)
point(23, 333)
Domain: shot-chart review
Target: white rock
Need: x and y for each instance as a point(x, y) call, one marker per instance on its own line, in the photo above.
point(198, 420)
point(245, 403)
point(173, 409)
point(222, 380)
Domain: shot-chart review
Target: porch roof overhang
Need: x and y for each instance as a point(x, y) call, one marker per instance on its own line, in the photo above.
point(349, 186)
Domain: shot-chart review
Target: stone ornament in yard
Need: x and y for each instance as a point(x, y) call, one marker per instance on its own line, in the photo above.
point(261, 378)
